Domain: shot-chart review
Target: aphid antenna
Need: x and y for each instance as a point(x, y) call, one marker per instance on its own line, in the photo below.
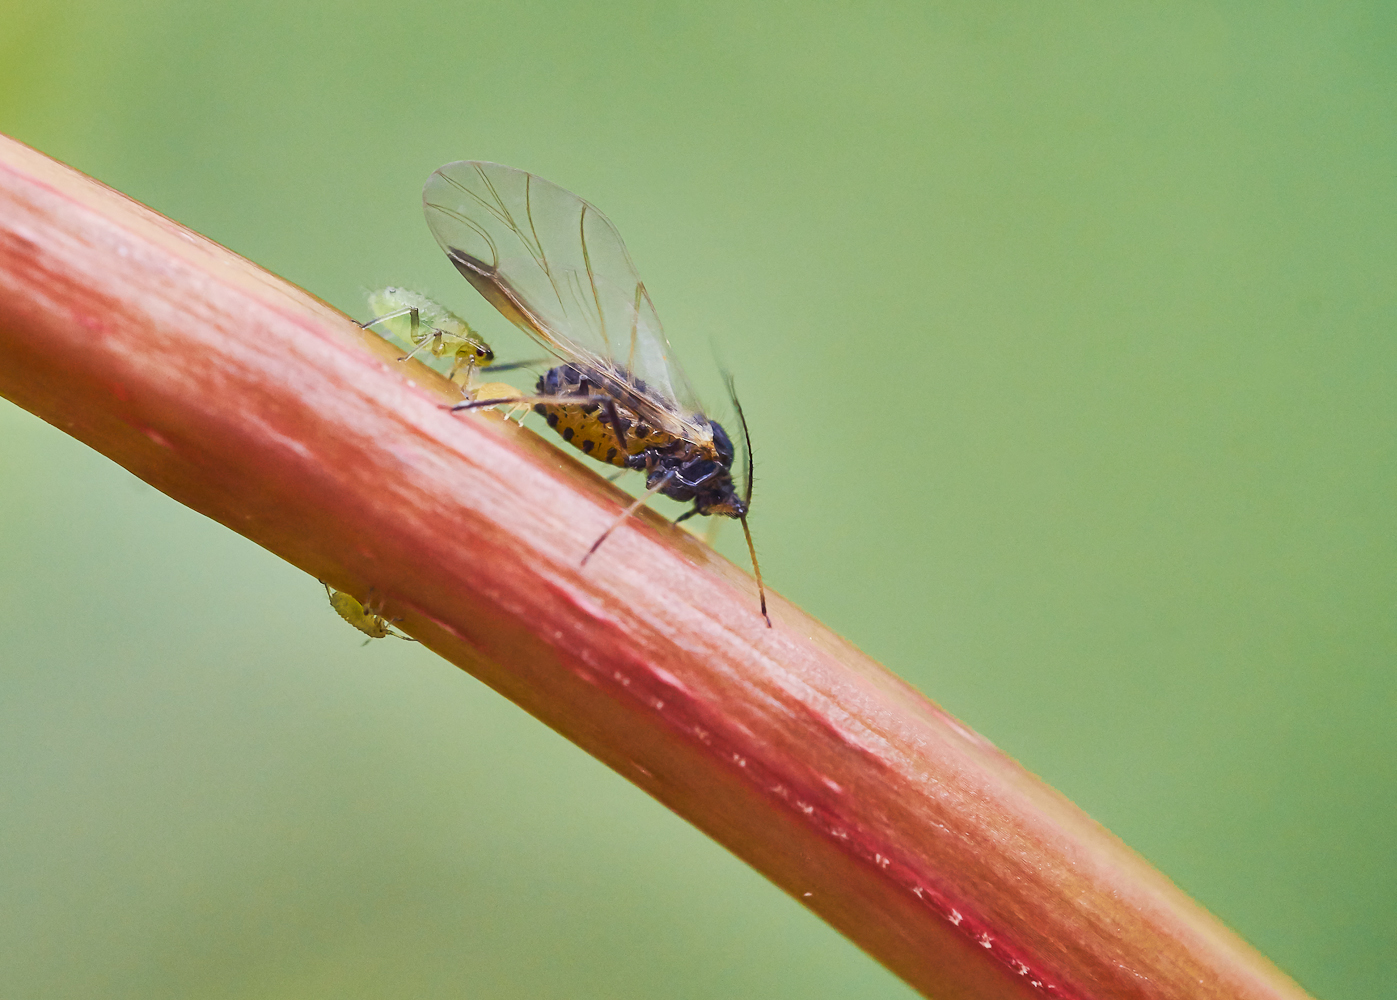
point(756, 568)
point(747, 492)
point(510, 366)
point(746, 434)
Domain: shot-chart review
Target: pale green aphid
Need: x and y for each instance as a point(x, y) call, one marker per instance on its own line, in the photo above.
point(373, 625)
point(424, 323)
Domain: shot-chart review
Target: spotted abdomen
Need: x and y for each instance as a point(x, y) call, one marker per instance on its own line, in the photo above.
point(586, 425)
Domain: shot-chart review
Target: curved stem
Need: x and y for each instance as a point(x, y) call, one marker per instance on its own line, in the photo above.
point(255, 403)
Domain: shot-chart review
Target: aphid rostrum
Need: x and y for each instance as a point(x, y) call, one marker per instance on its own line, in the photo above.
point(556, 267)
point(372, 624)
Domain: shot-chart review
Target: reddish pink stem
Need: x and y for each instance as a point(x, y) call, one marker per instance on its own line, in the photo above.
point(253, 402)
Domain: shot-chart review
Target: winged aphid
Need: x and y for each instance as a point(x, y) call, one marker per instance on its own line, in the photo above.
point(556, 267)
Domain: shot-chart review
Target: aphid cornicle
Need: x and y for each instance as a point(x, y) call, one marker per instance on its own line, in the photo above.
point(556, 267)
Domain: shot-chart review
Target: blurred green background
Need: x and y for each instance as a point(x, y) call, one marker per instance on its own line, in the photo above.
point(1066, 333)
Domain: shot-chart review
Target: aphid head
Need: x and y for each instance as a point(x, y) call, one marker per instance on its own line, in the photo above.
point(478, 354)
point(707, 481)
point(727, 503)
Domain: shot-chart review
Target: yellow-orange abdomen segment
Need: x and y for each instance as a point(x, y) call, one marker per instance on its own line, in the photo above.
point(586, 427)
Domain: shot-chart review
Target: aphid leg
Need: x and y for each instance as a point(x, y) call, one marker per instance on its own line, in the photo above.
point(404, 311)
point(617, 428)
point(414, 318)
point(475, 404)
point(516, 403)
point(627, 513)
point(376, 610)
point(710, 533)
point(469, 365)
point(500, 394)
point(435, 340)
point(509, 409)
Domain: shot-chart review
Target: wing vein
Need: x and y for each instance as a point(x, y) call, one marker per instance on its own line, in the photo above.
point(572, 286)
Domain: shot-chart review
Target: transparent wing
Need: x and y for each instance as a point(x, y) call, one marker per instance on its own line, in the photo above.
point(556, 267)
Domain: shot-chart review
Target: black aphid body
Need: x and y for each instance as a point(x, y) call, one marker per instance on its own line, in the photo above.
point(607, 427)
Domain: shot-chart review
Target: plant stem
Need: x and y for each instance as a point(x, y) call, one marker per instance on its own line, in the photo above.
point(260, 406)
